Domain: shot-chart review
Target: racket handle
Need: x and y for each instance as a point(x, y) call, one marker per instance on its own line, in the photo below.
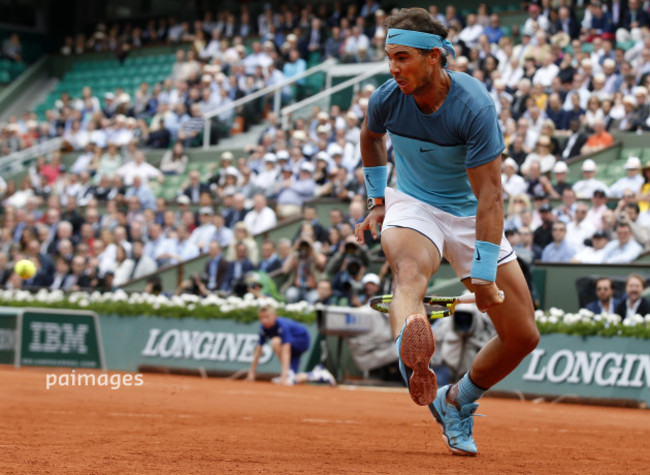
point(471, 298)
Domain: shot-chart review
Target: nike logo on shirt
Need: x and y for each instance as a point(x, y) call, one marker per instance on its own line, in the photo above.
point(423, 150)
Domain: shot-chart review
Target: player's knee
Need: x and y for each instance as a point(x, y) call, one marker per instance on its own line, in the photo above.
point(409, 273)
point(526, 340)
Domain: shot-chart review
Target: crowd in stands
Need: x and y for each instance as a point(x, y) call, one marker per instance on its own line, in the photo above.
point(555, 102)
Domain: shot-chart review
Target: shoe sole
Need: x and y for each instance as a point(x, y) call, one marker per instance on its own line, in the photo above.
point(416, 350)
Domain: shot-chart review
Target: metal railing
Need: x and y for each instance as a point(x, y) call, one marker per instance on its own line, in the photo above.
point(14, 162)
point(275, 89)
point(352, 82)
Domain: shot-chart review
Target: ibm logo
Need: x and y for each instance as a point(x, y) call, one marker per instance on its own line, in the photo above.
point(50, 337)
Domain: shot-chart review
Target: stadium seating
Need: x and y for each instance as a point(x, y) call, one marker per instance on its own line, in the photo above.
point(107, 75)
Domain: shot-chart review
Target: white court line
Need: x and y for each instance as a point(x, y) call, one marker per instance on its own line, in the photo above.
point(329, 421)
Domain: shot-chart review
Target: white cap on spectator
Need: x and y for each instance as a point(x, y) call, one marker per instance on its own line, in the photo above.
point(206, 78)
point(282, 155)
point(632, 163)
point(206, 210)
point(31, 124)
point(351, 115)
point(322, 115)
point(640, 90)
point(585, 63)
point(322, 129)
point(370, 278)
point(307, 167)
point(109, 95)
point(124, 98)
point(227, 156)
point(220, 77)
point(510, 162)
point(299, 135)
point(335, 149)
point(120, 118)
point(560, 167)
point(131, 121)
point(183, 200)
point(269, 157)
point(589, 165)
point(13, 127)
point(323, 156)
point(599, 77)
point(369, 88)
point(630, 100)
point(609, 63)
point(232, 171)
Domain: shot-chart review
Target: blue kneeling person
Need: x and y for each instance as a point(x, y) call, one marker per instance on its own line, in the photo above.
point(289, 340)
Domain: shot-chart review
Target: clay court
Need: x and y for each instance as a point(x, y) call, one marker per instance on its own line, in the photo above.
point(184, 424)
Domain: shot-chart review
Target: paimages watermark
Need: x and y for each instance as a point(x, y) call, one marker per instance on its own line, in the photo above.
point(115, 381)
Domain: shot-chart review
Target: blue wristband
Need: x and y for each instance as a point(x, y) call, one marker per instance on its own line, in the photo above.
point(376, 178)
point(484, 264)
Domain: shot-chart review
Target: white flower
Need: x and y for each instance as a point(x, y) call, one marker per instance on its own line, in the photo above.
point(556, 312)
point(552, 319)
point(191, 307)
point(83, 302)
point(539, 314)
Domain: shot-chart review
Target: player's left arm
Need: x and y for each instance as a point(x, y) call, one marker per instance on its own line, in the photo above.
point(486, 184)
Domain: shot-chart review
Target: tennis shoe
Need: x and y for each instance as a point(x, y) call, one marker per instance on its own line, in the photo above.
point(415, 346)
point(322, 375)
point(456, 424)
point(291, 378)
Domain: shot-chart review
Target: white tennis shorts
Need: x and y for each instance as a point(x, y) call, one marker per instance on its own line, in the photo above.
point(453, 236)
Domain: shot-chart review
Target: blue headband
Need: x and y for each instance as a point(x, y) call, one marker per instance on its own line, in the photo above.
point(418, 39)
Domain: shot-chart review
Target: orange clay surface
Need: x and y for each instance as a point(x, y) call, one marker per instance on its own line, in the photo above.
point(184, 424)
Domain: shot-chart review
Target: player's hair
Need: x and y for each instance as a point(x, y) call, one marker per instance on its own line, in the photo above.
point(264, 307)
point(418, 19)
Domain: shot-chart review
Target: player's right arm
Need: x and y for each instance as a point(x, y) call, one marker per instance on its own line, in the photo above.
point(373, 154)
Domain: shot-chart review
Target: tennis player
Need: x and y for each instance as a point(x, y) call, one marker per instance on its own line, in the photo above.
point(447, 202)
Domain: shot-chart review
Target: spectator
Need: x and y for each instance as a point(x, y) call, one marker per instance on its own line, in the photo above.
point(605, 302)
point(511, 183)
point(303, 268)
point(580, 229)
point(236, 212)
point(143, 265)
point(599, 140)
point(543, 235)
point(559, 250)
point(139, 167)
point(195, 188)
point(623, 249)
point(587, 187)
point(630, 214)
point(123, 269)
point(216, 267)
point(293, 193)
point(270, 261)
point(633, 180)
point(261, 218)
point(542, 154)
point(177, 248)
point(201, 235)
point(575, 142)
point(12, 48)
point(242, 235)
point(174, 161)
point(560, 171)
point(238, 267)
point(633, 303)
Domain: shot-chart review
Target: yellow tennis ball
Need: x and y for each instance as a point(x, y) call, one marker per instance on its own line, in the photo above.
point(25, 268)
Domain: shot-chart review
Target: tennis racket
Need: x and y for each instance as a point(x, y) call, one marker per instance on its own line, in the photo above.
point(436, 307)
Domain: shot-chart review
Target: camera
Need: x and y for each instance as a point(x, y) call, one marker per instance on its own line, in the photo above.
point(463, 321)
point(354, 266)
point(304, 248)
point(351, 248)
